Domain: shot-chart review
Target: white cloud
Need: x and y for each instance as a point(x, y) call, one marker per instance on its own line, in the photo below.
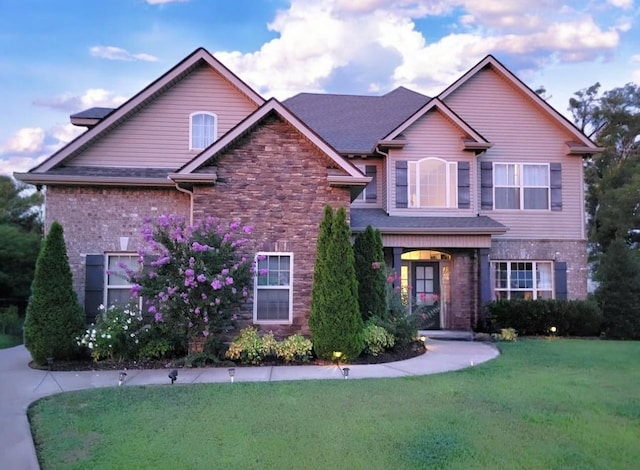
point(18, 164)
point(624, 4)
point(26, 140)
point(90, 98)
point(117, 53)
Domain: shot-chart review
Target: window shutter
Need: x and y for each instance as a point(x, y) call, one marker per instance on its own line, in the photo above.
point(93, 286)
point(402, 200)
point(555, 170)
point(486, 185)
point(464, 195)
point(560, 274)
point(372, 188)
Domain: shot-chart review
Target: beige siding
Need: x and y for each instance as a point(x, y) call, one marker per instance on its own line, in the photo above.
point(432, 135)
point(522, 133)
point(157, 136)
point(361, 163)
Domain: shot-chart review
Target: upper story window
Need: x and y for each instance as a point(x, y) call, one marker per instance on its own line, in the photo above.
point(203, 129)
point(273, 288)
point(521, 186)
point(432, 182)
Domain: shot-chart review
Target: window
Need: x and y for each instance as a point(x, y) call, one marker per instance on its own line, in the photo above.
point(369, 193)
point(521, 186)
point(273, 291)
point(203, 129)
point(528, 280)
point(432, 182)
point(118, 287)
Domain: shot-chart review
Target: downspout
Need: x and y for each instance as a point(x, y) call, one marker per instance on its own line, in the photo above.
point(190, 193)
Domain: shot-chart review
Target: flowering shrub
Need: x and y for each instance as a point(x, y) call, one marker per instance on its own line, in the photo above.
point(197, 280)
point(376, 339)
point(115, 334)
point(294, 349)
point(248, 347)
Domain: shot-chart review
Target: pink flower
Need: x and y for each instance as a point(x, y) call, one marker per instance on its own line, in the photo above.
point(247, 229)
point(205, 333)
point(375, 265)
point(234, 225)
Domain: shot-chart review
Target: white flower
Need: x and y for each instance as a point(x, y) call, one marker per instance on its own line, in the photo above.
point(108, 336)
point(101, 307)
point(126, 327)
point(132, 335)
point(137, 341)
point(90, 345)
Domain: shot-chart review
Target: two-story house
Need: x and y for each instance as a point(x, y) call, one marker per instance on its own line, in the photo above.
point(477, 192)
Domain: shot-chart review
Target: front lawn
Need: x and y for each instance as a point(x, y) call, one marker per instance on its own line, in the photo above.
point(9, 341)
point(542, 404)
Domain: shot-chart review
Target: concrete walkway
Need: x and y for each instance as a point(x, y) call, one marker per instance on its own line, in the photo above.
point(20, 386)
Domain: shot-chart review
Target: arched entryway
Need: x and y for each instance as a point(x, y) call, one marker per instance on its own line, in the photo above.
point(426, 284)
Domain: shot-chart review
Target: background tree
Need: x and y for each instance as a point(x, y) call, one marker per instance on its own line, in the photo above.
point(19, 205)
point(54, 318)
point(370, 274)
point(335, 320)
point(619, 291)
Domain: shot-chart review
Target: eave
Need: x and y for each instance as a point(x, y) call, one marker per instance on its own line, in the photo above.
point(436, 231)
point(576, 148)
point(192, 178)
point(40, 179)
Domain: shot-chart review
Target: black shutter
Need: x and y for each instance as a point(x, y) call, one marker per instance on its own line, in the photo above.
point(555, 170)
point(486, 185)
point(93, 286)
point(402, 200)
point(464, 190)
point(560, 272)
point(372, 188)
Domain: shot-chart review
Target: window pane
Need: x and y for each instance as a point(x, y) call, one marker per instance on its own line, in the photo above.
point(507, 198)
point(118, 296)
point(117, 266)
point(273, 304)
point(536, 198)
point(522, 275)
point(543, 274)
point(500, 274)
point(536, 175)
point(202, 130)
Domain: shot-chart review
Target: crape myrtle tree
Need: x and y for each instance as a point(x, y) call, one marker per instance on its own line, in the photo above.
point(370, 274)
point(54, 317)
point(197, 279)
point(335, 321)
point(619, 290)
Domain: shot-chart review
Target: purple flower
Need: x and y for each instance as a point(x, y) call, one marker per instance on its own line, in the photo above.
point(248, 229)
point(201, 278)
point(158, 317)
point(205, 333)
point(216, 284)
point(234, 225)
point(189, 273)
point(152, 309)
point(229, 281)
point(263, 272)
point(135, 289)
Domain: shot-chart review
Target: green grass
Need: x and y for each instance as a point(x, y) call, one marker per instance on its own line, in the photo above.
point(9, 341)
point(542, 405)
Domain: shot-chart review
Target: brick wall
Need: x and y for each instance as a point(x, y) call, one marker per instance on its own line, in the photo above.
point(573, 252)
point(275, 180)
point(94, 219)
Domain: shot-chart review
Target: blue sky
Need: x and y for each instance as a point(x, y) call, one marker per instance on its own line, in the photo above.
point(59, 57)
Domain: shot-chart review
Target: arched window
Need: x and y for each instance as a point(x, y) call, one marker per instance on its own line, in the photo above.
point(432, 183)
point(203, 129)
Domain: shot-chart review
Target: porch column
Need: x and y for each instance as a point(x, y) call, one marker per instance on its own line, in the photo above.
point(485, 276)
point(397, 260)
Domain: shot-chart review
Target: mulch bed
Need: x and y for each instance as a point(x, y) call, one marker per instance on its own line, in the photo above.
point(396, 354)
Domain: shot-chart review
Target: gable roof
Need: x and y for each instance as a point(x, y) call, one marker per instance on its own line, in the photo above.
point(187, 172)
point(354, 124)
point(113, 118)
point(585, 144)
point(475, 140)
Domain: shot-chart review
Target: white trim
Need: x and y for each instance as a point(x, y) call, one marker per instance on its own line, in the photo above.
point(534, 270)
point(214, 130)
point(288, 287)
point(106, 286)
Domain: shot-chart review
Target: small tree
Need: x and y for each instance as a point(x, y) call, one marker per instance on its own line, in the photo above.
point(619, 291)
point(335, 320)
point(54, 318)
point(371, 274)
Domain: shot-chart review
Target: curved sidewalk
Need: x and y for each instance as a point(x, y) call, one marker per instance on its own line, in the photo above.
point(20, 385)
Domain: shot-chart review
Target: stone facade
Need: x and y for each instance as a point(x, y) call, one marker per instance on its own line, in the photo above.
point(573, 252)
point(94, 219)
point(276, 181)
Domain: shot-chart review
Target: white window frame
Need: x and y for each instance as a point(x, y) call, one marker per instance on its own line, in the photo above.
point(113, 287)
point(511, 282)
point(288, 287)
point(451, 184)
point(520, 185)
point(214, 130)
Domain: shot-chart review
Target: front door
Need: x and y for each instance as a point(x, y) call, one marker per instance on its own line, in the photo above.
point(426, 294)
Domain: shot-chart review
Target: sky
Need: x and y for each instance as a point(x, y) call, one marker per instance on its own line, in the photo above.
point(58, 57)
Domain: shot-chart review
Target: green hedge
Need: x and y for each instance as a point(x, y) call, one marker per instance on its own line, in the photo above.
point(536, 317)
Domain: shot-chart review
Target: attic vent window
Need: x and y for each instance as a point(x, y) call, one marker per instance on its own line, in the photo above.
point(203, 129)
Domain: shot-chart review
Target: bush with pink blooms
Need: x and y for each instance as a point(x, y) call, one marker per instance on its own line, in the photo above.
point(196, 278)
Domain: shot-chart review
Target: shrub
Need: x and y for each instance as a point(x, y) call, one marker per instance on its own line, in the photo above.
point(54, 318)
point(294, 349)
point(506, 334)
point(115, 334)
point(377, 339)
point(160, 340)
point(400, 323)
point(248, 347)
point(335, 320)
point(10, 321)
point(536, 317)
point(370, 273)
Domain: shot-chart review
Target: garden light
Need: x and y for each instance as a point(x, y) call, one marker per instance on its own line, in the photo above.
point(121, 378)
point(173, 375)
point(345, 373)
point(232, 373)
point(336, 356)
point(553, 330)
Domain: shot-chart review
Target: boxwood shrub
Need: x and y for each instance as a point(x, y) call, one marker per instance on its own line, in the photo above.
point(536, 317)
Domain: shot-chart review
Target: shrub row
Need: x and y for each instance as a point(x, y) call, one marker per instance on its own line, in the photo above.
point(536, 317)
point(251, 348)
